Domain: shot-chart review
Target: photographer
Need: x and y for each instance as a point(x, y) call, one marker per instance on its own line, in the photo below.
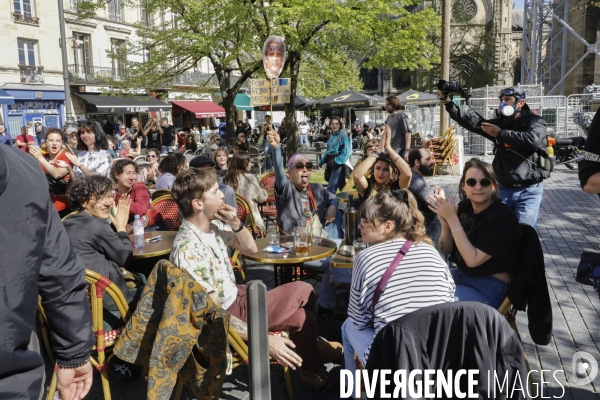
point(519, 138)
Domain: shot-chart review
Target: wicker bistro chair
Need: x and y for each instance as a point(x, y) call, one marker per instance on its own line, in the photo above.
point(268, 210)
point(98, 286)
point(166, 208)
point(240, 356)
point(245, 215)
point(160, 193)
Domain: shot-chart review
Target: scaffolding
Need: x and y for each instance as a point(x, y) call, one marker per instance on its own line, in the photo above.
point(546, 34)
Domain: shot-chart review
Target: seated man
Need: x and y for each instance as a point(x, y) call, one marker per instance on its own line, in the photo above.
point(200, 248)
point(297, 199)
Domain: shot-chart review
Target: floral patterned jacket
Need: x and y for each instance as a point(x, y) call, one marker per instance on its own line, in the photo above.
point(176, 327)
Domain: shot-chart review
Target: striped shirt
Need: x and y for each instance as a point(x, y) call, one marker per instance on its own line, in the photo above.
point(422, 279)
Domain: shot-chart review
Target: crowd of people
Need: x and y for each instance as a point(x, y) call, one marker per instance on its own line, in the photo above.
point(411, 227)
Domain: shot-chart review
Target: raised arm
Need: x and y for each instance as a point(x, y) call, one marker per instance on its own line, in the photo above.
point(405, 172)
point(358, 175)
point(280, 178)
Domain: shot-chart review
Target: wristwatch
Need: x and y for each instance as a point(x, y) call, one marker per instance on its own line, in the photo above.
point(239, 229)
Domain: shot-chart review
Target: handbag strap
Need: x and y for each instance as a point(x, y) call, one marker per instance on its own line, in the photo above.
point(388, 273)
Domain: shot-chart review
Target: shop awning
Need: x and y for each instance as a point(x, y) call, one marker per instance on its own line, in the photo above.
point(202, 109)
point(6, 98)
point(130, 104)
point(241, 102)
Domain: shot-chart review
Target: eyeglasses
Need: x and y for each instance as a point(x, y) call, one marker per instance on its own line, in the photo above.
point(308, 165)
point(73, 135)
point(485, 182)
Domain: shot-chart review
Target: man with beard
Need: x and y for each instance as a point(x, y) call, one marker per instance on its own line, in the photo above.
point(422, 163)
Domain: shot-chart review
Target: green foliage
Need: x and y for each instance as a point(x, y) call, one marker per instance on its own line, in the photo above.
point(321, 77)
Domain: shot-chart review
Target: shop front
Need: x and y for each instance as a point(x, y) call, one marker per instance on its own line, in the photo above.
point(110, 110)
point(31, 104)
point(187, 113)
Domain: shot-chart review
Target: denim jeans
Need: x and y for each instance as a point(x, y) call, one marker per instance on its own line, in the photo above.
point(355, 341)
point(303, 140)
point(525, 201)
point(267, 152)
point(334, 179)
point(168, 149)
point(485, 289)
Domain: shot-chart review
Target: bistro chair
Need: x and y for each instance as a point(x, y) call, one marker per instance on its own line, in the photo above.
point(268, 210)
point(68, 215)
point(139, 159)
point(245, 215)
point(102, 352)
point(238, 264)
point(165, 208)
point(159, 193)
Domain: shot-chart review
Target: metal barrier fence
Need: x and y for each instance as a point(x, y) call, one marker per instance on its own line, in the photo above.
point(564, 116)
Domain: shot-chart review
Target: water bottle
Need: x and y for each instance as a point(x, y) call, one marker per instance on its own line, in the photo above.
point(138, 233)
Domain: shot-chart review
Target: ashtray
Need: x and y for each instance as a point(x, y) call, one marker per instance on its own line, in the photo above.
point(347, 250)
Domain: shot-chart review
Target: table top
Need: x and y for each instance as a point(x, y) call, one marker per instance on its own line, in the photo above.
point(343, 196)
point(340, 261)
point(315, 252)
point(156, 249)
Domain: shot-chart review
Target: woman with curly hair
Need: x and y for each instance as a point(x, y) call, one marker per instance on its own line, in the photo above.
point(102, 250)
point(392, 224)
point(169, 167)
point(238, 178)
point(381, 171)
point(93, 158)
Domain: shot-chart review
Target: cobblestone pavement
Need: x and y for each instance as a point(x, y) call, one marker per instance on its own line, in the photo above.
point(568, 225)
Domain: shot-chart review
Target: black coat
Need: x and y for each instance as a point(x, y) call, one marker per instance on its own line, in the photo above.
point(37, 257)
point(451, 336)
point(526, 136)
point(591, 164)
point(528, 287)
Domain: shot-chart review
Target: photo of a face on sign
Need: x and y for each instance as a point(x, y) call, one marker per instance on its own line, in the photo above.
point(273, 56)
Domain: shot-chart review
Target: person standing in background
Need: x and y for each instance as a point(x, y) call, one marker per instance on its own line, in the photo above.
point(167, 135)
point(397, 125)
point(5, 136)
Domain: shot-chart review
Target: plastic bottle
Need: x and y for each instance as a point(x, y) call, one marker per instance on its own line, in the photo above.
point(138, 233)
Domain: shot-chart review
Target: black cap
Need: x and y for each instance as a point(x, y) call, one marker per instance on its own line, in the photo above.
point(200, 161)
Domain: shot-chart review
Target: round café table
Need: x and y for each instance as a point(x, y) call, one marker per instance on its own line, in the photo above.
point(154, 249)
point(284, 263)
point(343, 196)
point(340, 261)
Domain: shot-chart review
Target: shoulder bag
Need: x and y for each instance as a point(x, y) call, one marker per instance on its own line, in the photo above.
point(388, 274)
point(588, 270)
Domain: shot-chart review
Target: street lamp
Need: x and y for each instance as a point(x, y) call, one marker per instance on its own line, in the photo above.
point(70, 122)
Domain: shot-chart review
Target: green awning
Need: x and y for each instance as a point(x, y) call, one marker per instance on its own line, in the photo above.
point(241, 102)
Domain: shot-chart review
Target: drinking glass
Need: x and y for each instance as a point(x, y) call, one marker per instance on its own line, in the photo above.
point(359, 245)
point(274, 238)
point(317, 234)
point(301, 241)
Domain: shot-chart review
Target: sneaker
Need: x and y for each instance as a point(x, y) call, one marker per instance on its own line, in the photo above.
point(313, 380)
point(330, 351)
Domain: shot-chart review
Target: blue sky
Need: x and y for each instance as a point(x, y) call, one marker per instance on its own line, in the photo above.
point(519, 3)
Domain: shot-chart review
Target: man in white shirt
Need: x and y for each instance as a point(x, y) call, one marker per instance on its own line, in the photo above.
point(200, 248)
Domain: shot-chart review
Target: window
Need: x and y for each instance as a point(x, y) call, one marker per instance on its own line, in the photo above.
point(73, 4)
point(119, 58)
point(24, 7)
point(82, 54)
point(146, 53)
point(114, 10)
point(174, 22)
point(145, 16)
point(27, 52)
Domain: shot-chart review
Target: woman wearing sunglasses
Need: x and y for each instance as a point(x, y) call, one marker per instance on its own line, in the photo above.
point(151, 172)
point(481, 236)
point(381, 170)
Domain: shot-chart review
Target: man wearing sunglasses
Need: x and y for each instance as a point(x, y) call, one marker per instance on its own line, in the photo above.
point(520, 141)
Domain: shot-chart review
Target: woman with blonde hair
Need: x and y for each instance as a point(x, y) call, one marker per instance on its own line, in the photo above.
point(239, 179)
point(402, 260)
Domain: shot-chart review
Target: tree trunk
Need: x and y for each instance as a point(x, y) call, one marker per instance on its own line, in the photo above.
point(230, 113)
point(290, 108)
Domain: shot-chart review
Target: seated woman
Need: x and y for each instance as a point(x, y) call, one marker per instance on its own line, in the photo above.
point(368, 149)
point(221, 159)
point(57, 167)
point(169, 167)
point(124, 174)
point(241, 144)
point(151, 172)
point(93, 158)
point(238, 178)
point(381, 171)
point(189, 144)
point(481, 236)
point(388, 221)
point(102, 249)
point(127, 152)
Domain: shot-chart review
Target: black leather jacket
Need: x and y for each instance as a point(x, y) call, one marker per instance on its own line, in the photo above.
point(517, 146)
point(37, 257)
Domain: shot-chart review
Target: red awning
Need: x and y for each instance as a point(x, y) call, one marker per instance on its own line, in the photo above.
point(202, 109)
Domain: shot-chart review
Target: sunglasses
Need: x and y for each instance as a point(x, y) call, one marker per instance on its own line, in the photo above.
point(485, 182)
point(151, 156)
point(308, 165)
